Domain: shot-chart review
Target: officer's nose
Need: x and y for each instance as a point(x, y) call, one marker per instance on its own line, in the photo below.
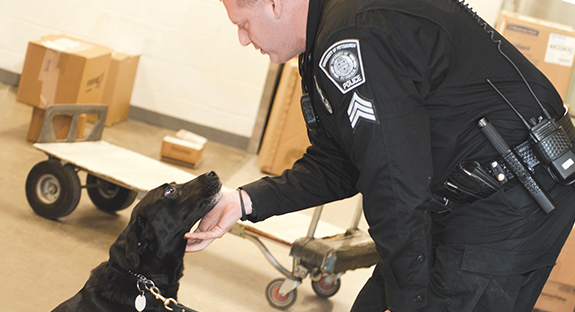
point(244, 37)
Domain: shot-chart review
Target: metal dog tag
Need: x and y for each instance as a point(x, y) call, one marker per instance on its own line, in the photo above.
point(140, 302)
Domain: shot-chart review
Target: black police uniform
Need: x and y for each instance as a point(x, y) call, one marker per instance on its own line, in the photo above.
point(398, 87)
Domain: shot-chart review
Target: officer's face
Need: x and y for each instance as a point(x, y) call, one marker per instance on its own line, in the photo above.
point(268, 27)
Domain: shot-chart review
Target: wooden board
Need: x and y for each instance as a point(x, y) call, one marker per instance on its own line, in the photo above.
point(287, 228)
point(116, 164)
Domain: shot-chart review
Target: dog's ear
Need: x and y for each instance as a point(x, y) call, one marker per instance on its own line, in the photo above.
point(126, 249)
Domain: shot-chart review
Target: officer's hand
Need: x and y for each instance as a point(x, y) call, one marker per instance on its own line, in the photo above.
point(218, 221)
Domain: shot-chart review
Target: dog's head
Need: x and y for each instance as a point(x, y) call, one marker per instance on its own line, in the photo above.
point(160, 220)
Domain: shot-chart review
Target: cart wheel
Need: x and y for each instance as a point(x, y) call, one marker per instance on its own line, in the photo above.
point(323, 290)
point(277, 301)
point(108, 196)
point(53, 190)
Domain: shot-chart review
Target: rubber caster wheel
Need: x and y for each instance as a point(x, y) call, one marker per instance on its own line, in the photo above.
point(108, 196)
point(277, 301)
point(53, 190)
point(324, 290)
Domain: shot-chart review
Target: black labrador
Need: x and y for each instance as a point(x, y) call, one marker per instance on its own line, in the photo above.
point(147, 257)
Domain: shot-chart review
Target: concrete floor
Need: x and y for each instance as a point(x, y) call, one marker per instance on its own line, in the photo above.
point(44, 262)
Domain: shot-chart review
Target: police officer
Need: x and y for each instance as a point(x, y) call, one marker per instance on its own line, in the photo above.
point(396, 89)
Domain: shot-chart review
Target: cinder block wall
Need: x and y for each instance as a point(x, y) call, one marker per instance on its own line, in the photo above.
point(192, 66)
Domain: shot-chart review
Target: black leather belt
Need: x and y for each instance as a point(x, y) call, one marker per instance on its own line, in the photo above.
point(471, 181)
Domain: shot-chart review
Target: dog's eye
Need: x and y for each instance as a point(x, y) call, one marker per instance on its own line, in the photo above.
point(169, 191)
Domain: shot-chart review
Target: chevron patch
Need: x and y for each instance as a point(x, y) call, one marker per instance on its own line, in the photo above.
point(360, 108)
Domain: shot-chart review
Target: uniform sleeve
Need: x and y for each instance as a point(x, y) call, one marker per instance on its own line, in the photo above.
point(324, 174)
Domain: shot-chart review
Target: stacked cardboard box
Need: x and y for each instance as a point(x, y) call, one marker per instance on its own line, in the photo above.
point(60, 123)
point(549, 46)
point(118, 91)
point(59, 69)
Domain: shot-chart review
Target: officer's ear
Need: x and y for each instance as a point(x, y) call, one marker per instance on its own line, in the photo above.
point(277, 7)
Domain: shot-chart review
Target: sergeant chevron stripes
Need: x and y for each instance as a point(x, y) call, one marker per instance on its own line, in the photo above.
point(360, 108)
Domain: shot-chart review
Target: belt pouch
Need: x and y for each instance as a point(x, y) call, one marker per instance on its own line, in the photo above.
point(470, 178)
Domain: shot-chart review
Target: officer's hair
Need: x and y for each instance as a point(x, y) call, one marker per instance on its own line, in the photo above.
point(242, 3)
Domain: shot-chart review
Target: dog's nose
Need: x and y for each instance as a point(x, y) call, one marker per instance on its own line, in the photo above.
point(211, 174)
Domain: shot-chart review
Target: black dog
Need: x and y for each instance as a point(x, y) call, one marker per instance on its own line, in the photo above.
point(147, 257)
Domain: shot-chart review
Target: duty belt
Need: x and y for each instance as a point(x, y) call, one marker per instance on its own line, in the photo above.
point(470, 180)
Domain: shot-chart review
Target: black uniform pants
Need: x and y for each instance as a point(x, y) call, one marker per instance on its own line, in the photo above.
point(494, 254)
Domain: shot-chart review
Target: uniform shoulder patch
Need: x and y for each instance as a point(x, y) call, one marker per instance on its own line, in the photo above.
point(342, 63)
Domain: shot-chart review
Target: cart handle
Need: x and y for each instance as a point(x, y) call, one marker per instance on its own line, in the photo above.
point(47, 134)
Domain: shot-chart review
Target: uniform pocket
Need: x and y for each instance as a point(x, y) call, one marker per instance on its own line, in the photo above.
point(500, 262)
point(459, 284)
point(480, 292)
point(518, 198)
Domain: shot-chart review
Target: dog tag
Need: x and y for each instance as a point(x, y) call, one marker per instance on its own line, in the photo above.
point(140, 302)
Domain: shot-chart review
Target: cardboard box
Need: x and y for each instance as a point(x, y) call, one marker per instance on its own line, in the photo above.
point(184, 149)
point(556, 297)
point(550, 46)
point(61, 125)
point(61, 69)
point(119, 86)
point(285, 139)
point(564, 270)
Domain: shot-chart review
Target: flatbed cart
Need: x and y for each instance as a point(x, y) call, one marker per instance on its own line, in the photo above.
point(115, 176)
point(323, 259)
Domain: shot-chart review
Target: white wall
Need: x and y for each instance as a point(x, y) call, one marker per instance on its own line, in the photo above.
point(487, 9)
point(192, 66)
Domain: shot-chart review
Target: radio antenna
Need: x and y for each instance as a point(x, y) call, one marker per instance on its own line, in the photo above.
point(509, 103)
